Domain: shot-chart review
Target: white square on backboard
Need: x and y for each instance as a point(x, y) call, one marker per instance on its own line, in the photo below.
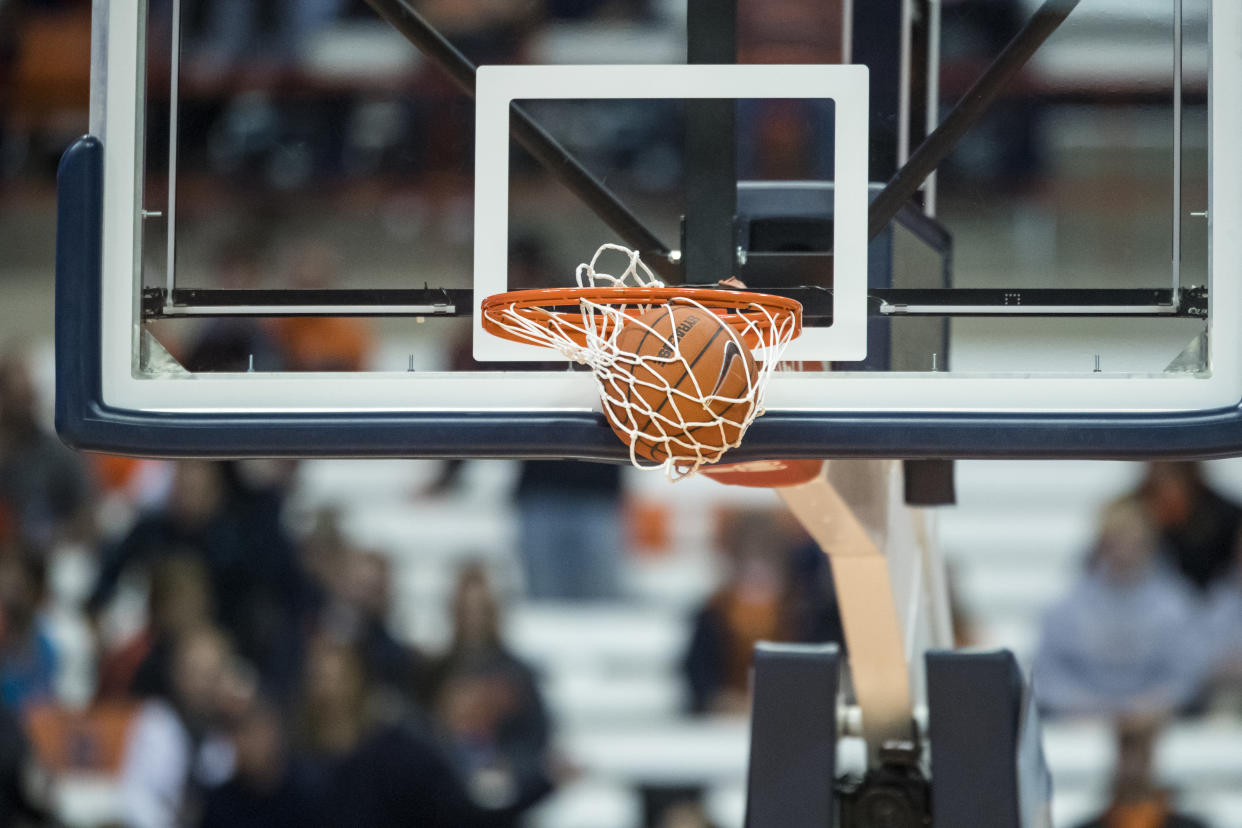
point(847, 86)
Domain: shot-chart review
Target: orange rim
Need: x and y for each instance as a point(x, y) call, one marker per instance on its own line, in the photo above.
point(741, 310)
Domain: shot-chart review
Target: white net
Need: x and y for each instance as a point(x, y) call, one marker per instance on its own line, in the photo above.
point(672, 417)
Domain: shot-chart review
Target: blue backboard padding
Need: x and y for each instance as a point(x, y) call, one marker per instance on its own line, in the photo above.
point(84, 421)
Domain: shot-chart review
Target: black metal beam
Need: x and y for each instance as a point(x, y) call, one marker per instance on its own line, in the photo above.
point(403, 17)
point(1191, 302)
point(966, 113)
point(816, 302)
point(708, 243)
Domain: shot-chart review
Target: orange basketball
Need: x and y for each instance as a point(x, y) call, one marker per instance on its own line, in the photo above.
point(699, 398)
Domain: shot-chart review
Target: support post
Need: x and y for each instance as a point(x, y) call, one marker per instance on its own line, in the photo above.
point(869, 616)
point(708, 239)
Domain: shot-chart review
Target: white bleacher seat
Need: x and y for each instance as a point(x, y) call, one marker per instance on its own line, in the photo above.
point(1022, 590)
point(364, 53)
point(370, 482)
point(589, 803)
point(608, 636)
point(607, 42)
point(1199, 754)
point(679, 580)
point(447, 530)
point(1018, 634)
point(1019, 485)
point(973, 534)
point(1226, 477)
point(1080, 753)
point(1072, 808)
point(601, 697)
point(87, 801)
point(1221, 808)
point(341, 482)
point(696, 752)
point(725, 806)
point(1190, 755)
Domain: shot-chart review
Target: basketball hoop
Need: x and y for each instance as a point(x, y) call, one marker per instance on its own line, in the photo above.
point(766, 474)
point(681, 371)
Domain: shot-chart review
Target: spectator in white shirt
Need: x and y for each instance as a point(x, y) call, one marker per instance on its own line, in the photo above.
point(174, 749)
point(1224, 634)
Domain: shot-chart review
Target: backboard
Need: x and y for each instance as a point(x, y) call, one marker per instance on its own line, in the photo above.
point(285, 254)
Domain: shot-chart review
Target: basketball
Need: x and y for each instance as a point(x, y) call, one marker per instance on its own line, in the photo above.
point(688, 385)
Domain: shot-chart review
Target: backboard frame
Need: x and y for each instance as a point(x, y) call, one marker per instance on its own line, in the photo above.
point(923, 416)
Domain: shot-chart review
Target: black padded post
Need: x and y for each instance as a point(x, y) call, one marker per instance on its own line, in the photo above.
point(708, 244)
point(793, 736)
point(987, 761)
point(929, 482)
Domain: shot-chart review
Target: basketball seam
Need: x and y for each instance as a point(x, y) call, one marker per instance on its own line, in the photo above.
point(647, 331)
point(689, 370)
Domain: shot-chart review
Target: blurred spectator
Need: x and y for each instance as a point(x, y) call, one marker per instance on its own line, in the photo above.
point(685, 814)
point(320, 343)
point(130, 482)
point(1008, 147)
point(27, 656)
point(1127, 639)
point(1137, 801)
point(1224, 631)
point(193, 521)
point(237, 343)
point(23, 802)
point(44, 80)
point(1197, 524)
point(225, 32)
point(606, 9)
point(178, 601)
point(775, 589)
point(263, 597)
point(484, 30)
point(322, 549)
point(269, 788)
point(43, 486)
point(175, 749)
point(356, 611)
point(227, 515)
point(487, 701)
point(381, 773)
point(570, 529)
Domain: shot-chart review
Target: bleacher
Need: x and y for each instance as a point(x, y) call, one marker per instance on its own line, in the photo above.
point(611, 672)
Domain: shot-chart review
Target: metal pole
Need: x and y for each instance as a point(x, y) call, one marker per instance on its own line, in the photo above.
point(966, 113)
point(933, 96)
point(903, 82)
point(170, 211)
point(401, 15)
point(708, 242)
point(1177, 150)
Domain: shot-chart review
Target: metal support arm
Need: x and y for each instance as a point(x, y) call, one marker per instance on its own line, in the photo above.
point(403, 17)
point(937, 146)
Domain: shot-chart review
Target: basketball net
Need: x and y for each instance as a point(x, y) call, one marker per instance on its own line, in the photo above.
point(590, 338)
